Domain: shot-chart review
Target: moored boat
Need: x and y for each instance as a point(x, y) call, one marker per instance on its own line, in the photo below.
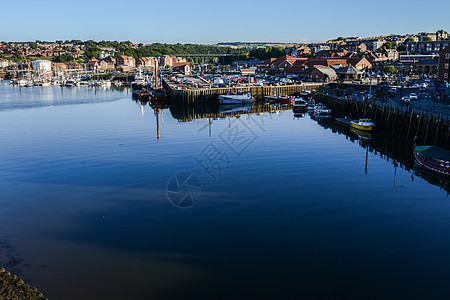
point(433, 158)
point(321, 109)
point(299, 105)
point(236, 98)
point(362, 124)
point(280, 99)
point(365, 135)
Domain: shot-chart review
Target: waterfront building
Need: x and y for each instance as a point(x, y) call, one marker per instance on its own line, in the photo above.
point(323, 74)
point(124, 60)
point(42, 66)
point(183, 67)
point(444, 65)
point(4, 63)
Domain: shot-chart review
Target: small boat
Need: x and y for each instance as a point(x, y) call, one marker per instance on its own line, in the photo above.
point(299, 105)
point(365, 135)
point(235, 108)
point(321, 109)
point(311, 105)
point(236, 98)
point(280, 99)
point(362, 124)
point(433, 158)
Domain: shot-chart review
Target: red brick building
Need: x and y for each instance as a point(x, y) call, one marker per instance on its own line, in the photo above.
point(444, 65)
point(126, 61)
point(289, 64)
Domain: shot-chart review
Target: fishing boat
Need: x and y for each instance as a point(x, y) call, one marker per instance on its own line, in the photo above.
point(235, 108)
point(236, 98)
point(299, 105)
point(280, 99)
point(433, 158)
point(139, 83)
point(362, 124)
point(321, 109)
point(362, 134)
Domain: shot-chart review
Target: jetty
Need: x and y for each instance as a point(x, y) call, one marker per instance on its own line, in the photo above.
point(199, 95)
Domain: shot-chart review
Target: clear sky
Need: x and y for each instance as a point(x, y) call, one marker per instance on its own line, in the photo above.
point(209, 21)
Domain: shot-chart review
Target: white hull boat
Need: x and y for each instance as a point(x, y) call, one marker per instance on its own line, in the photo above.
point(236, 98)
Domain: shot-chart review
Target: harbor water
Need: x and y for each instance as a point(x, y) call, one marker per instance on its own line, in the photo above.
point(104, 197)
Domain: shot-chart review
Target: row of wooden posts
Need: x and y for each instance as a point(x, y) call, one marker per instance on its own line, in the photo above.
point(259, 92)
point(426, 128)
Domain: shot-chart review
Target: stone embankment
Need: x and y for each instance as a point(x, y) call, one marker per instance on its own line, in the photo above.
point(13, 288)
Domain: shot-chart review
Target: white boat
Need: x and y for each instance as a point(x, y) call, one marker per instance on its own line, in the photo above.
point(236, 98)
point(139, 83)
point(322, 110)
point(299, 104)
point(72, 82)
point(22, 82)
point(235, 108)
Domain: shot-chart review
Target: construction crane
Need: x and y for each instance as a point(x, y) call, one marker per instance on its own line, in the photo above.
point(25, 59)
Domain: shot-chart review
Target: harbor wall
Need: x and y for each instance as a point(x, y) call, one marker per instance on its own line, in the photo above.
point(396, 121)
point(259, 92)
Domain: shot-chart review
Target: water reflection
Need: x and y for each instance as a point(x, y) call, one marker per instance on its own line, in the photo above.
point(387, 147)
point(16, 97)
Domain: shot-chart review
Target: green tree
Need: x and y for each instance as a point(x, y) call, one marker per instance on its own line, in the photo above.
point(410, 39)
point(387, 45)
point(67, 57)
point(389, 69)
point(427, 39)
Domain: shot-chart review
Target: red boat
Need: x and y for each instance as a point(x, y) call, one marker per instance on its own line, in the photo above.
point(433, 158)
point(280, 99)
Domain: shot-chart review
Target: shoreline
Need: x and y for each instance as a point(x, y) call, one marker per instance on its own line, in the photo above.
point(12, 287)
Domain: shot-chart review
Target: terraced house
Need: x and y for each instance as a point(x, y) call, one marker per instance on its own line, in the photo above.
point(444, 65)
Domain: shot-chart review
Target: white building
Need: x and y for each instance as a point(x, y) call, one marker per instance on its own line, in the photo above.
point(4, 63)
point(44, 66)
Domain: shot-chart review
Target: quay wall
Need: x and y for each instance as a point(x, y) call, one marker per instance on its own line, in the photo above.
point(396, 121)
point(208, 94)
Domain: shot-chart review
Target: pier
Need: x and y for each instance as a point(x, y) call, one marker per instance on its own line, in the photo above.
point(397, 121)
point(259, 92)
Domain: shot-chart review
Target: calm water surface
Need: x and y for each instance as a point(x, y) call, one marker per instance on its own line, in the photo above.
point(93, 204)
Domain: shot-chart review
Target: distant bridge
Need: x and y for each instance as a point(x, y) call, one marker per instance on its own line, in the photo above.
point(205, 55)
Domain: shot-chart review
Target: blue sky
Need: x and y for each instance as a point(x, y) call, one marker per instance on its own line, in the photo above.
point(201, 21)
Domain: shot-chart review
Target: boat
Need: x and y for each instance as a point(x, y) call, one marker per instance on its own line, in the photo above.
point(362, 134)
point(299, 105)
point(236, 98)
point(362, 124)
point(235, 108)
point(321, 109)
point(311, 105)
point(433, 158)
point(72, 82)
point(280, 99)
point(139, 83)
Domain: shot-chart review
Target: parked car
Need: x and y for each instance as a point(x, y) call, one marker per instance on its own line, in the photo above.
point(405, 100)
point(413, 96)
point(392, 92)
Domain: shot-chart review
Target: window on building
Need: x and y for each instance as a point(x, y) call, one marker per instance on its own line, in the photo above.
point(445, 75)
point(447, 55)
point(446, 66)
